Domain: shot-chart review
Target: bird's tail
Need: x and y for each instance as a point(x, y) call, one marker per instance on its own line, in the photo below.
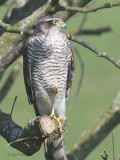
point(55, 147)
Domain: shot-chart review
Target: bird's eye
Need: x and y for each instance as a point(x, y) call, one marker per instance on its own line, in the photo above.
point(55, 22)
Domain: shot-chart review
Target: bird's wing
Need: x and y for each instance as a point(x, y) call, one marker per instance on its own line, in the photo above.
point(27, 76)
point(71, 71)
point(27, 73)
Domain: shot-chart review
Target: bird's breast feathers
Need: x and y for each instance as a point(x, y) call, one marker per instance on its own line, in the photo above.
point(48, 59)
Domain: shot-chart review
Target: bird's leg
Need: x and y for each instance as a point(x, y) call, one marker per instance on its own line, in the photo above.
point(53, 112)
point(58, 119)
point(56, 87)
point(52, 115)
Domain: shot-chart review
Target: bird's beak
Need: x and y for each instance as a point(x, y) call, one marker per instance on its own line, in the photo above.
point(63, 25)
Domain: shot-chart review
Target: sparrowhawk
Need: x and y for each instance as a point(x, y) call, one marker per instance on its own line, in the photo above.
point(48, 73)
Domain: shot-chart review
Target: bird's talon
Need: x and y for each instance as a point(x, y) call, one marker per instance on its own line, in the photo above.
point(58, 119)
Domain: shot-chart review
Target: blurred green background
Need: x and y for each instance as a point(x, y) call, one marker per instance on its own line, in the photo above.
point(100, 86)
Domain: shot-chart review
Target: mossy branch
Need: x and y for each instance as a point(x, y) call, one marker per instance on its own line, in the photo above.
point(13, 29)
point(29, 139)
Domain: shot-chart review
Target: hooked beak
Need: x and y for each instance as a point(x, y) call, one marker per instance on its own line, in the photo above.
point(63, 25)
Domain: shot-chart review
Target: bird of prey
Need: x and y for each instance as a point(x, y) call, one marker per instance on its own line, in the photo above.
point(48, 72)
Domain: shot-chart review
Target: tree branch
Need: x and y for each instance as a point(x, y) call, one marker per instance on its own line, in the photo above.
point(88, 10)
point(91, 138)
point(10, 80)
point(17, 10)
point(29, 139)
point(96, 51)
point(13, 29)
point(105, 155)
point(97, 31)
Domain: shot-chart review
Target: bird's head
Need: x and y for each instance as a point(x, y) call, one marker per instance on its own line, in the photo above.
point(48, 23)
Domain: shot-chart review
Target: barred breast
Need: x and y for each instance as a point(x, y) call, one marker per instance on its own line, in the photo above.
point(48, 58)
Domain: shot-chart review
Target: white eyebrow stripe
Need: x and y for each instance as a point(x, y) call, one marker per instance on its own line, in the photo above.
point(50, 19)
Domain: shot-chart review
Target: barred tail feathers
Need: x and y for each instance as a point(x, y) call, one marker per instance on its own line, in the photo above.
point(54, 147)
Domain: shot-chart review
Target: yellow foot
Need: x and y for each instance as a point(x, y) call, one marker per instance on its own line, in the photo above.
point(58, 119)
point(56, 87)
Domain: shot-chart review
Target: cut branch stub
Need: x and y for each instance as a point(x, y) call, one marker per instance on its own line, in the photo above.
point(29, 139)
point(48, 126)
point(33, 135)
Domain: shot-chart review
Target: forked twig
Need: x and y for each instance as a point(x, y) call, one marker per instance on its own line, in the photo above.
point(105, 155)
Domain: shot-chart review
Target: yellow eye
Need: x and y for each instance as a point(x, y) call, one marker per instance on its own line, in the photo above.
point(55, 22)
